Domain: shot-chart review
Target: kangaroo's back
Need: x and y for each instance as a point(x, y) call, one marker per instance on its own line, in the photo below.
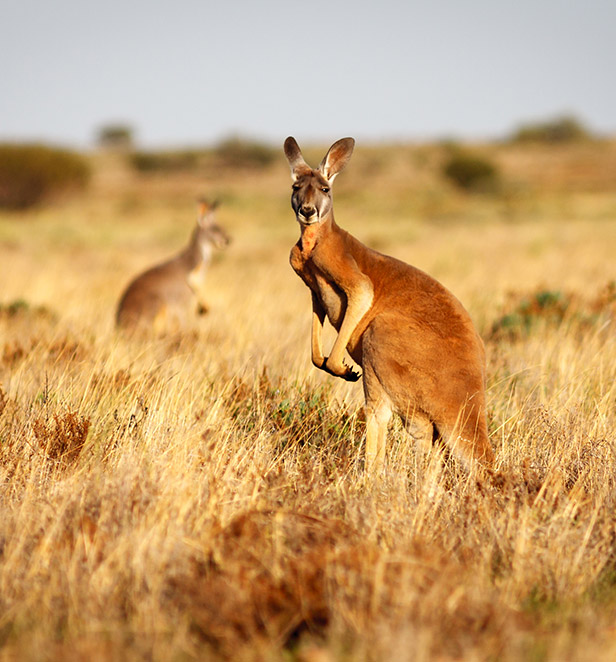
point(150, 297)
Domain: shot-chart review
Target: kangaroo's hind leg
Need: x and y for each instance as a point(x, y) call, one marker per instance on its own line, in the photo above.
point(421, 430)
point(465, 434)
point(379, 411)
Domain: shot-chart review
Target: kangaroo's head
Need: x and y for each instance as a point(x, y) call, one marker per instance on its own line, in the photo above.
point(312, 196)
point(208, 233)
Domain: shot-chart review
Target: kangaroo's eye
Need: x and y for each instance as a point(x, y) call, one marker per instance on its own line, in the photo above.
point(296, 187)
point(325, 189)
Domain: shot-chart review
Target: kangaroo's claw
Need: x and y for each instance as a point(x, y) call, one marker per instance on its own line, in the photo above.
point(347, 373)
point(351, 375)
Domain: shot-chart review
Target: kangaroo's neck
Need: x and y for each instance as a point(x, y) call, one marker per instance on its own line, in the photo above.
point(316, 233)
point(193, 255)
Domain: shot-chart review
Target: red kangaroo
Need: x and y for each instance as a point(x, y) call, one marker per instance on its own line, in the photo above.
point(416, 345)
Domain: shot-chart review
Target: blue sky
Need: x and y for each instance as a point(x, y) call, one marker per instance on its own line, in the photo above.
point(188, 72)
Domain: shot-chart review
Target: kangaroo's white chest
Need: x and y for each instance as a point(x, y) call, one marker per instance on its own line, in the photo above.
point(196, 277)
point(332, 298)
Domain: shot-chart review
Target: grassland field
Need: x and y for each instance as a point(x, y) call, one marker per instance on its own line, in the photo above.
point(201, 495)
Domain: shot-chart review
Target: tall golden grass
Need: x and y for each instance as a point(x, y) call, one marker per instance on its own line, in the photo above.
point(202, 495)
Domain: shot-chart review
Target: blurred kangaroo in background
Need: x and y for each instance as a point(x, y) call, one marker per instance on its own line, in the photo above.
point(420, 353)
point(161, 297)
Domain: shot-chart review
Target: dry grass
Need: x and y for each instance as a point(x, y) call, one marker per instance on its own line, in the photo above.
point(202, 496)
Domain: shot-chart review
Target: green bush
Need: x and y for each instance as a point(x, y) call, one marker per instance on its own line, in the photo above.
point(31, 174)
point(547, 305)
point(472, 173)
point(560, 130)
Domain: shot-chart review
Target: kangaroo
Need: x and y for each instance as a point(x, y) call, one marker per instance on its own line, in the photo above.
point(410, 338)
point(161, 297)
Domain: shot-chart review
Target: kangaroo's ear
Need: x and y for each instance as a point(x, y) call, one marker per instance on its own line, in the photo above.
point(205, 212)
point(294, 156)
point(336, 158)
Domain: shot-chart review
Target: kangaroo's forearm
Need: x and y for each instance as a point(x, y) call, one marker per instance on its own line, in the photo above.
point(318, 317)
point(359, 302)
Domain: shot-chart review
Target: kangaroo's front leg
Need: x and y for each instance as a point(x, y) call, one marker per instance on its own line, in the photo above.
point(318, 360)
point(195, 280)
point(316, 338)
point(360, 295)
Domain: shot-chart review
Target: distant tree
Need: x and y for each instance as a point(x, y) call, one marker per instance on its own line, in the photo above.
point(116, 136)
point(560, 130)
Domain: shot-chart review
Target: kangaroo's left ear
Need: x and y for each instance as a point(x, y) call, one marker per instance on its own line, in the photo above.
point(294, 157)
point(336, 158)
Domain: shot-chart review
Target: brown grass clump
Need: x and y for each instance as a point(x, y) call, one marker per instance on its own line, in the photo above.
point(63, 437)
point(203, 495)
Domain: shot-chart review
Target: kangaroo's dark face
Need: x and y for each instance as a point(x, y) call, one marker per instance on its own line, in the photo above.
point(312, 197)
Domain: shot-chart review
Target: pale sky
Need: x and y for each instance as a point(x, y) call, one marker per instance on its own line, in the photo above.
point(192, 72)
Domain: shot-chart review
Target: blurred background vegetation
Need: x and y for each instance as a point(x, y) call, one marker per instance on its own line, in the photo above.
point(35, 174)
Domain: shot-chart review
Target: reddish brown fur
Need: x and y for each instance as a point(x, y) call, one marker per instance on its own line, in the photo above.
point(420, 353)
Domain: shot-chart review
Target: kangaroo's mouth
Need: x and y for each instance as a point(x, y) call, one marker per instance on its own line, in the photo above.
point(308, 220)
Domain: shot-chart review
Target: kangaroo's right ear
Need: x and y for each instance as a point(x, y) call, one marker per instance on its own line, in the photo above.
point(294, 156)
point(336, 158)
point(205, 214)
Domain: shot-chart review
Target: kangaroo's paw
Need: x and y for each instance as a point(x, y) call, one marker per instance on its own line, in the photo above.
point(351, 374)
point(348, 373)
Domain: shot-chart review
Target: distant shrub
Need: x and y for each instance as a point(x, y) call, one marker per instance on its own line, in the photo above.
point(560, 130)
point(174, 161)
point(239, 153)
point(551, 308)
point(472, 173)
point(30, 174)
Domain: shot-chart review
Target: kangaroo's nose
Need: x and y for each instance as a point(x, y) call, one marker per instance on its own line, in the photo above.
point(307, 211)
